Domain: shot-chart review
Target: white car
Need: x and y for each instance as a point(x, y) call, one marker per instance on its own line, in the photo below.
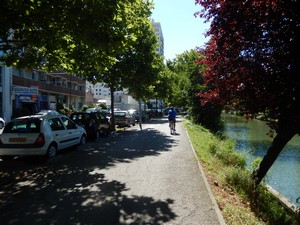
point(2, 122)
point(39, 135)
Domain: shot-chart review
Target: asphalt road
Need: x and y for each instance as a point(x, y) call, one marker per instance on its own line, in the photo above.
point(132, 177)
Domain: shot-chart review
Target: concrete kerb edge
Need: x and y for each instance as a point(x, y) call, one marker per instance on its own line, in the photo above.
point(212, 197)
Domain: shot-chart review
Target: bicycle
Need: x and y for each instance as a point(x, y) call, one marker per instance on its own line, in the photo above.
point(172, 126)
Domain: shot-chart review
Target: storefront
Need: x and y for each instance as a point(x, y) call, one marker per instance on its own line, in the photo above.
point(26, 101)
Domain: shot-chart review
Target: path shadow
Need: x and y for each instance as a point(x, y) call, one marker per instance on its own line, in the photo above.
point(76, 196)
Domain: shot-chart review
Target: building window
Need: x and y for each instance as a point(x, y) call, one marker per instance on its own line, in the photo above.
point(20, 73)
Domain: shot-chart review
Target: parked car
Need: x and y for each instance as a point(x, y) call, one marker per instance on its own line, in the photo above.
point(134, 113)
point(93, 110)
point(104, 123)
point(145, 116)
point(95, 123)
point(48, 112)
point(124, 119)
point(2, 123)
point(39, 135)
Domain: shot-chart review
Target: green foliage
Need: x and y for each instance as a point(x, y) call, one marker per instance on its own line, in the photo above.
point(61, 108)
point(240, 180)
point(255, 163)
point(186, 82)
point(102, 106)
point(136, 68)
point(224, 150)
point(267, 206)
point(82, 37)
point(85, 107)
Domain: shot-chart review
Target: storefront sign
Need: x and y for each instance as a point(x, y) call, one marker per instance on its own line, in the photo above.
point(25, 90)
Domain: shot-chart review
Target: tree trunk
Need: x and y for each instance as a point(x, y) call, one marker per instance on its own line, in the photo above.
point(282, 138)
point(112, 108)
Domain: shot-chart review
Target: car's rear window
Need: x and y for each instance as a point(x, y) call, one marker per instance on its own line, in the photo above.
point(28, 125)
point(80, 117)
point(120, 113)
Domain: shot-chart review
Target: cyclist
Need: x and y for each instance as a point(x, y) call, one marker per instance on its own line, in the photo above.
point(172, 119)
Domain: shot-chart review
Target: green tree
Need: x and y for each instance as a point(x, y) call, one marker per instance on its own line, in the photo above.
point(136, 68)
point(187, 83)
point(77, 36)
point(164, 85)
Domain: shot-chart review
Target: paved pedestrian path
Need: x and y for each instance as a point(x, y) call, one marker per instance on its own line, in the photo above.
point(166, 173)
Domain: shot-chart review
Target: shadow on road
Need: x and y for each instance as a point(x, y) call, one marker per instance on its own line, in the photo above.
point(70, 189)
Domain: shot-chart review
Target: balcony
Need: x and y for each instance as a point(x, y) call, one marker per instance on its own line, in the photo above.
point(52, 87)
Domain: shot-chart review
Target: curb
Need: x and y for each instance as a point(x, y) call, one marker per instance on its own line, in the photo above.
point(212, 197)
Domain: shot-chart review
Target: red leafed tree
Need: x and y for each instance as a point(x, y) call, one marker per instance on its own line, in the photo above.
point(253, 60)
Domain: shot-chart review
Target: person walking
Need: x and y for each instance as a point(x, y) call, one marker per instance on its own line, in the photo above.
point(172, 120)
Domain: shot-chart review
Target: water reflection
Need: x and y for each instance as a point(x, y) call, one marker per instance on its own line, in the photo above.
point(252, 141)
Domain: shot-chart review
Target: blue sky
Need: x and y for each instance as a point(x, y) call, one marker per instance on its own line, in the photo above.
point(181, 30)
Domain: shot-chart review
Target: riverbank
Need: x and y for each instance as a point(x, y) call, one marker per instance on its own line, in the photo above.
point(231, 183)
point(252, 140)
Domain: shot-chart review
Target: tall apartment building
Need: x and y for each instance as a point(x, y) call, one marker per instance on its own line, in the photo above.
point(159, 35)
point(157, 103)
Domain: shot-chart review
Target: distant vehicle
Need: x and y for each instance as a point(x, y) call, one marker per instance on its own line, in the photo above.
point(134, 113)
point(2, 123)
point(145, 116)
point(39, 135)
point(95, 123)
point(131, 111)
point(124, 119)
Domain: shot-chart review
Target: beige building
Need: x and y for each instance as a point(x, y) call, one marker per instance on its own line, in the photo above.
point(27, 91)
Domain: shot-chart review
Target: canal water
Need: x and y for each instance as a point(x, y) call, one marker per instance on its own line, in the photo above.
point(252, 141)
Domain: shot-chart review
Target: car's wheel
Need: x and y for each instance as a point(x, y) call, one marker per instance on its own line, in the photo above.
point(83, 140)
point(95, 135)
point(1, 125)
point(52, 151)
point(104, 132)
point(98, 134)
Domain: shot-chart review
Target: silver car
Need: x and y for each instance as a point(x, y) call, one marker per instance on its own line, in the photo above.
point(39, 135)
point(124, 119)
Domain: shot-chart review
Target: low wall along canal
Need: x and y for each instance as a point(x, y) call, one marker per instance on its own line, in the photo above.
point(252, 142)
